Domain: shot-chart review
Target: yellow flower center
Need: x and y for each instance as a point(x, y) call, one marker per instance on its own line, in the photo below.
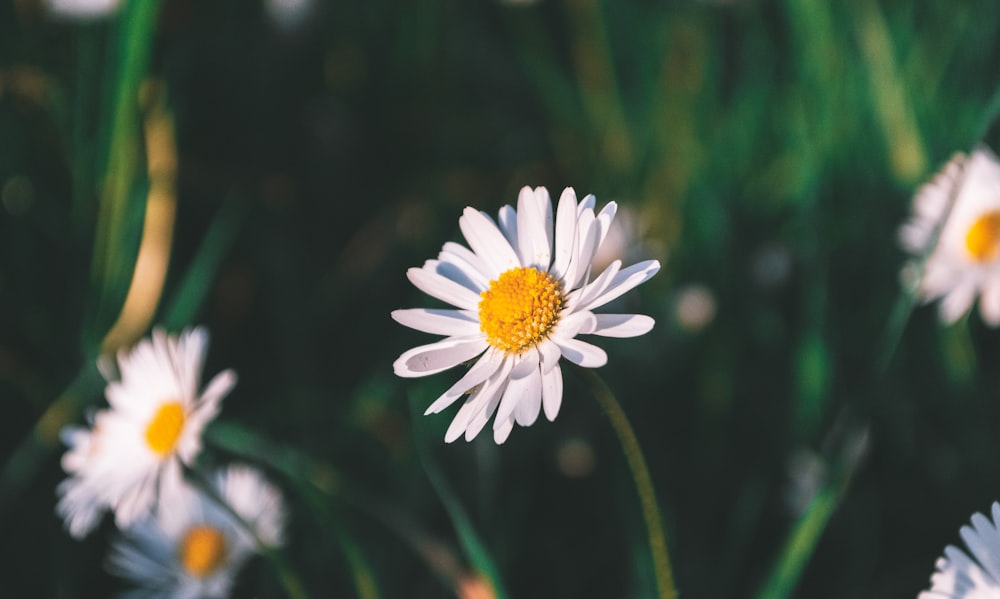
point(520, 308)
point(165, 428)
point(202, 550)
point(983, 239)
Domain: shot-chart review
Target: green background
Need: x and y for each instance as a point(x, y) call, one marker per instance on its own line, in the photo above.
point(769, 151)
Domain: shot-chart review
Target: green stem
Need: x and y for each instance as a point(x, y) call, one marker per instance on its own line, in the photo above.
point(640, 475)
point(289, 578)
point(801, 543)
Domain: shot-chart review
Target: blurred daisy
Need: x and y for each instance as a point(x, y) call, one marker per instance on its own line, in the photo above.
point(965, 262)
point(132, 454)
point(960, 575)
point(195, 549)
point(81, 9)
point(288, 14)
point(524, 293)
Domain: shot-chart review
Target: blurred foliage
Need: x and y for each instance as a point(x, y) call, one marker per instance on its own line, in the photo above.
point(766, 152)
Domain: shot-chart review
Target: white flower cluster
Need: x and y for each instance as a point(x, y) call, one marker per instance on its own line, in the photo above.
point(176, 539)
point(954, 237)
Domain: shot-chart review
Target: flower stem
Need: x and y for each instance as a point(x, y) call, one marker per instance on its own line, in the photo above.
point(289, 578)
point(640, 475)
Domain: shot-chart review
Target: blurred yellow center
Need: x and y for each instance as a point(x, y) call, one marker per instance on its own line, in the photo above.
point(520, 308)
point(983, 238)
point(202, 550)
point(165, 428)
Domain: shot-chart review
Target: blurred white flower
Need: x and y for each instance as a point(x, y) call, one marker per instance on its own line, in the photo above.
point(132, 456)
point(695, 307)
point(288, 14)
point(195, 549)
point(963, 201)
point(771, 265)
point(959, 575)
point(81, 9)
point(524, 293)
point(807, 472)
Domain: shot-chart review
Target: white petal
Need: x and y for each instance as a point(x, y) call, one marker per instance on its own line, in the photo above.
point(983, 542)
point(191, 347)
point(472, 406)
point(552, 388)
point(439, 322)
point(604, 220)
point(460, 255)
point(582, 353)
point(549, 354)
point(989, 302)
point(488, 242)
point(939, 277)
point(624, 281)
point(207, 406)
point(493, 390)
point(459, 272)
point(565, 240)
point(443, 288)
point(586, 295)
point(623, 325)
point(500, 433)
point(574, 324)
point(436, 357)
point(526, 411)
point(583, 253)
point(507, 218)
point(534, 225)
point(957, 302)
point(483, 369)
point(525, 383)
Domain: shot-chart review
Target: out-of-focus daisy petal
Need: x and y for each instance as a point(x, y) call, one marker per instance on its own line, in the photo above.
point(197, 548)
point(956, 224)
point(989, 302)
point(961, 576)
point(957, 302)
point(154, 423)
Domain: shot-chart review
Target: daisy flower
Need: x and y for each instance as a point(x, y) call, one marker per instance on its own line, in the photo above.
point(523, 294)
point(132, 455)
point(963, 201)
point(960, 575)
point(195, 549)
point(81, 9)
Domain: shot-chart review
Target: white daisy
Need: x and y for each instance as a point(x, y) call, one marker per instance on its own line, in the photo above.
point(523, 294)
point(961, 576)
point(195, 549)
point(965, 262)
point(81, 9)
point(133, 453)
